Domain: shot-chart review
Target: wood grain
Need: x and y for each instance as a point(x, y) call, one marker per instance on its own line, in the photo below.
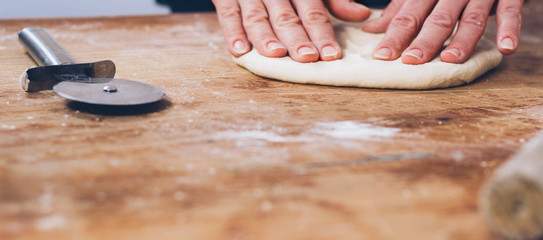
point(235, 156)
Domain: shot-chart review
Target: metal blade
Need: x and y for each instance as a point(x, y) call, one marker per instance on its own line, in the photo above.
point(112, 92)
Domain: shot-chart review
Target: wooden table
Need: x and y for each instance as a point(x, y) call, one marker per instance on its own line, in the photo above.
point(231, 155)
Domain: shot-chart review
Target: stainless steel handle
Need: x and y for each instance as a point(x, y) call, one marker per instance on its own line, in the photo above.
point(43, 48)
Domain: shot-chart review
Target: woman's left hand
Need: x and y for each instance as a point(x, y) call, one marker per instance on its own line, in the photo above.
point(417, 29)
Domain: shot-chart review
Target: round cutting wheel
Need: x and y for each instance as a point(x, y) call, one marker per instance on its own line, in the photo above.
point(114, 92)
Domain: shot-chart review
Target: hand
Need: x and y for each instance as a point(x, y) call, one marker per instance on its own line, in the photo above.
point(417, 29)
point(299, 28)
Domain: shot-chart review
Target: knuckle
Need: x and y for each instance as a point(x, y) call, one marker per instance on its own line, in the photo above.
point(428, 44)
point(229, 12)
point(393, 5)
point(316, 16)
point(441, 20)
point(407, 22)
point(286, 19)
point(510, 10)
point(475, 19)
point(395, 44)
point(255, 15)
point(234, 35)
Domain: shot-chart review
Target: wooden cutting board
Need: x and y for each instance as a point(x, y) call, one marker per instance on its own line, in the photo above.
point(234, 156)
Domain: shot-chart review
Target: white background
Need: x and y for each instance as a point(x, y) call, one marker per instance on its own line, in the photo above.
point(78, 8)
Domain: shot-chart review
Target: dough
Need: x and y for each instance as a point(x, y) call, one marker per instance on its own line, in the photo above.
point(357, 69)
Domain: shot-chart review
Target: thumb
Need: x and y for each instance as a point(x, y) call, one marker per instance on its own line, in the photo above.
point(348, 10)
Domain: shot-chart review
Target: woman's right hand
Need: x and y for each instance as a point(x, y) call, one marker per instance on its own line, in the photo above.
point(300, 29)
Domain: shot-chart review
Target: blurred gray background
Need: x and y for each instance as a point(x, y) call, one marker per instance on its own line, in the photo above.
point(10, 9)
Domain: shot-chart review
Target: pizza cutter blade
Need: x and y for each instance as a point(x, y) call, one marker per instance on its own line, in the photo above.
point(89, 83)
point(114, 92)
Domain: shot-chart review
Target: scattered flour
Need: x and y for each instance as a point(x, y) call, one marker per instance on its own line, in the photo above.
point(51, 223)
point(342, 130)
point(254, 135)
point(353, 130)
point(9, 127)
point(46, 200)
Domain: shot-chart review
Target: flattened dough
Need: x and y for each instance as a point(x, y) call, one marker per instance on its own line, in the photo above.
point(357, 69)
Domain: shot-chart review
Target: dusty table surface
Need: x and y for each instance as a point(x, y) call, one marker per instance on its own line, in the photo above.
point(231, 155)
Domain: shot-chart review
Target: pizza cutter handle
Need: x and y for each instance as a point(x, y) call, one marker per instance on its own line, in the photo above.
point(43, 48)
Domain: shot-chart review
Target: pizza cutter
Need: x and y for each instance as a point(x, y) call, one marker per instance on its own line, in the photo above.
point(91, 83)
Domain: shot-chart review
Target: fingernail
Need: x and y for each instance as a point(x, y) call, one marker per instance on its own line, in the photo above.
point(383, 53)
point(329, 51)
point(273, 45)
point(304, 51)
point(507, 43)
point(240, 47)
point(454, 51)
point(416, 53)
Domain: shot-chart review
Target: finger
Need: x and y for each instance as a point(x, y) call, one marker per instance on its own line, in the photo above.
point(437, 27)
point(229, 15)
point(259, 31)
point(402, 29)
point(509, 18)
point(380, 25)
point(317, 24)
point(288, 28)
point(348, 10)
point(470, 30)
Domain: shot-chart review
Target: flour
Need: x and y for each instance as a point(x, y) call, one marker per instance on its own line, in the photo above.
point(51, 223)
point(322, 131)
point(253, 135)
point(353, 130)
